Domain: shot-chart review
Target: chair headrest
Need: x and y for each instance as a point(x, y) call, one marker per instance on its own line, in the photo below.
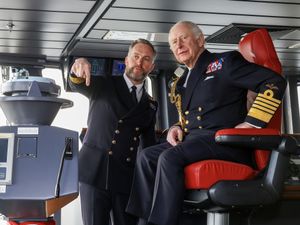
point(257, 47)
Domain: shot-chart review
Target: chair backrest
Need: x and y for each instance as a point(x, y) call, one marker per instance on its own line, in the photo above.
point(257, 47)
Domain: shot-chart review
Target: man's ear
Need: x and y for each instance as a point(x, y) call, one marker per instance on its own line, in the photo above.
point(201, 41)
point(126, 61)
point(152, 67)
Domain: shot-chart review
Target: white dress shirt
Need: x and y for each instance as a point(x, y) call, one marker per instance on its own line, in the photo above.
point(139, 87)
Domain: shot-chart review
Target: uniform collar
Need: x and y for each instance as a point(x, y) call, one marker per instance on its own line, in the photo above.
point(139, 87)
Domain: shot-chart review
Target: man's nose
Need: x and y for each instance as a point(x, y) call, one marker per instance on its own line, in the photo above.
point(139, 61)
point(179, 43)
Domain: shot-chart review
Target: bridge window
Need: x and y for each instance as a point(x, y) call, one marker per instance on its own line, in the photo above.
point(73, 118)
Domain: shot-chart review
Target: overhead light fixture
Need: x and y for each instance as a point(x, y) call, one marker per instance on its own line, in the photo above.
point(130, 36)
point(297, 45)
point(124, 35)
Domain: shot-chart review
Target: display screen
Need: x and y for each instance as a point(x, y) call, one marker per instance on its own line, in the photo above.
point(6, 157)
point(3, 150)
point(118, 67)
point(98, 66)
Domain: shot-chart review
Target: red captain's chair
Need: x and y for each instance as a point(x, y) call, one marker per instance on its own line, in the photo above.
point(216, 186)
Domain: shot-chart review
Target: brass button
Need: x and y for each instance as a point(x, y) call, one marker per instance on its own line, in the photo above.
point(128, 159)
point(120, 121)
point(169, 94)
point(137, 128)
point(187, 122)
point(131, 148)
point(186, 112)
point(117, 131)
point(186, 130)
point(200, 127)
point(110, 152)
point(135, 138)
point(199, 109)
point(198, 117)
point(114, 142)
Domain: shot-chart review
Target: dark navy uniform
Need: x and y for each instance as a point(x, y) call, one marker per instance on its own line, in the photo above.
point(107, 158)
point(214, 98)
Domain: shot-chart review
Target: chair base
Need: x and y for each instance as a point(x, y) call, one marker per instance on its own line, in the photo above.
point(215, 218)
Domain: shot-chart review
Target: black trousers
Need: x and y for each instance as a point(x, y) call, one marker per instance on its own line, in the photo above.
point(100, 207)
point(158, 186)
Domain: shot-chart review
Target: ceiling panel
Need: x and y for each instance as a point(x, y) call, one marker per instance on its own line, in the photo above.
point(25, 51)
point(56, 29)
point(34, 43)
point(274, 9)
point(75, 6)
point(41, 16)
point(213, 18)
point(41, 26)
point(40, 29)
point(35, 35)
point(146, 26)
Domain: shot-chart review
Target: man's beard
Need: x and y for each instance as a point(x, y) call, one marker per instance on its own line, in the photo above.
point(133, 77)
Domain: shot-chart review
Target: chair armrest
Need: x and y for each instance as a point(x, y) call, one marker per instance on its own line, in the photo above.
point(252, 138)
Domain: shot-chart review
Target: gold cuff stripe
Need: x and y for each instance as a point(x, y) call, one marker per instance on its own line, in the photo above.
point(260, 115)
point(263, 108)
point(269, 98)
point(77, 80)
point(262, 104)
point(267, 102)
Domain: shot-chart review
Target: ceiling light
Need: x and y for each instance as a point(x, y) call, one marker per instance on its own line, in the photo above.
point(125, 35)
point(295, 45)
point(130, 36)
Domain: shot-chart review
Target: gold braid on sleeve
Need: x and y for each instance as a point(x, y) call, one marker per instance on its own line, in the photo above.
point(175, 98)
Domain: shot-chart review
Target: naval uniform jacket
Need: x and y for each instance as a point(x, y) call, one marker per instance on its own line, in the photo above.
point(115, 128)
point(215, 96)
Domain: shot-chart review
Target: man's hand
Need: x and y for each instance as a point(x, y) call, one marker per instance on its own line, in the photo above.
point(82, 68)
point(244, 125)
point(175, 135)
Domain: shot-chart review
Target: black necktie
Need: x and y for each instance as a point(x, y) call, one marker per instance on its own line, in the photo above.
point(133, 94)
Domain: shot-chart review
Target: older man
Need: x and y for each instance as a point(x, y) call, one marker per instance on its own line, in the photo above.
point(213, 97)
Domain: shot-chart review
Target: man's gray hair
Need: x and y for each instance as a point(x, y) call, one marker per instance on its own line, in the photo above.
point(196, 30)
